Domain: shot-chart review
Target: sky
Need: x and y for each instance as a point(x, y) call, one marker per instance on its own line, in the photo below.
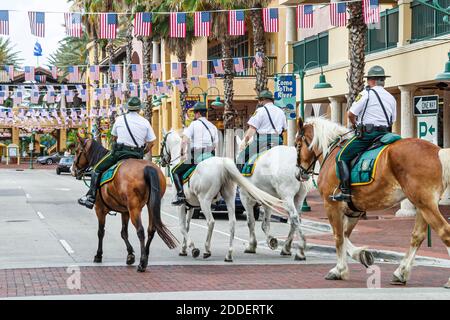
point(19, 27)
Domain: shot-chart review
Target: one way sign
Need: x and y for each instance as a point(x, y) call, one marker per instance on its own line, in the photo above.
point(426, 105)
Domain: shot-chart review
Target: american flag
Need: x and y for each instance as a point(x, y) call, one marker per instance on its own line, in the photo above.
point(371, 11)
point(259, 60)
point(81, 92)
point(17, 98)
point(305, 15)
point(94, 73)
point(10, 70)
point(50, 97)
point(196, 68)
point(143, 24)
point(338, 14)
point(70, 95)
point(37, 23)
point(270, 19)
point(195, 81)
point(54, 71)
point(97, 94)
point(161, 87)
point(218, 67)
point(29, 73)
point(64, 90)
point(117, 90)
point(179, 84)
point(73, 24)
point(4, 22)
point(211, 80)
point(34, 98)
point(136, 71)
point(177, 25)
point(202, 24)
point(176, 70)
point(116, 71)
point(73, 73)
point(108, 25)
point(41, 78)
point(133, 90)
point(238, 64)
point(236, 23)
point(156, 70)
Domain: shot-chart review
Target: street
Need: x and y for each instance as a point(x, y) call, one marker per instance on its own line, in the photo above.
point(43, 231)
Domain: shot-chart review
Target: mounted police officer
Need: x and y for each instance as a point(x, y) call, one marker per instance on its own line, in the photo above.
point(203, 138)
point(132, 137)
point(373, 114)
point(268, 123)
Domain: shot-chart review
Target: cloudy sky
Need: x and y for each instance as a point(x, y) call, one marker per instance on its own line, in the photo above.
point(19, 27)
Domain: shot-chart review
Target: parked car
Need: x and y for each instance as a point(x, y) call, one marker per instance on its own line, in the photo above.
point(221, 207)
point(64, 165)
point(51, 159)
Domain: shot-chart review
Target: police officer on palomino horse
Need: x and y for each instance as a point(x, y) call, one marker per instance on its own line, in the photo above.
point(372, 114)
point(203, 138)
point(268, 123)
point(132, 137)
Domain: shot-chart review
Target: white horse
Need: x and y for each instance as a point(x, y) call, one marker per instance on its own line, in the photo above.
point(213, 178)
point(275, 173)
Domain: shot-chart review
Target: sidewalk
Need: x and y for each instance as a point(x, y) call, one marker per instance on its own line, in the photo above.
point(381, 231)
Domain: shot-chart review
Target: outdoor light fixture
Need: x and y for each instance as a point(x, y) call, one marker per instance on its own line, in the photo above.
point(323, 84)
point(445, 76)
point(217, 103)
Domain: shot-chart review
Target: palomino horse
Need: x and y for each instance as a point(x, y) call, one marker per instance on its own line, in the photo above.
point(400, 174)
point(275, 173)
point(137, 183)
point(213, 178)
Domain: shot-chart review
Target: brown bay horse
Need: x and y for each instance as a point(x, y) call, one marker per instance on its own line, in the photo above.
point(137, 183)
point(409, 168)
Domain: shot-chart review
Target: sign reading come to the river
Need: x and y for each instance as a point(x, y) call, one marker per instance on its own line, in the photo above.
point(285, 94)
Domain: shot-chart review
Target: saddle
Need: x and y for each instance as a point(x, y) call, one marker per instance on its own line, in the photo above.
point(363, 166)
point(110, 174)
point(249, 166)
point(188, 174)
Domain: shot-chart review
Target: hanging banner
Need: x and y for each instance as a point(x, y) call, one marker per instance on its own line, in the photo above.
point(285, 94)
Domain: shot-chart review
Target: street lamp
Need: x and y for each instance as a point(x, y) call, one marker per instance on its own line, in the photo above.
point(445, 76)
point(216, 103)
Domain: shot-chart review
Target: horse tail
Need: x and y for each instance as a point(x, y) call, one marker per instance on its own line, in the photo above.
point(151, 177)
point(261, 196)
point(444, 157)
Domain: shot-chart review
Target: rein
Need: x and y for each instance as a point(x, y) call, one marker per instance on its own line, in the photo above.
point(165, 162)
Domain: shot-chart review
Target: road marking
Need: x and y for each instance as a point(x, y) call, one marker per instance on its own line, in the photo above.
point(62, 189)
point(28, 196)
point(40, 215)
point(66, 246)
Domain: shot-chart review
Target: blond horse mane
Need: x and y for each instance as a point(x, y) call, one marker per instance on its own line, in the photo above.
point(325, 132)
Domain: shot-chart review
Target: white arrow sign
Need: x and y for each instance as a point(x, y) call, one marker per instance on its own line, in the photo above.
point(426, 105)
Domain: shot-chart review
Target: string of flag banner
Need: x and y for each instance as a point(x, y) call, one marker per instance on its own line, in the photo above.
point(108, 21)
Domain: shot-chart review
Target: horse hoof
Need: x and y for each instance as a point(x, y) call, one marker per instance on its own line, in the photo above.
point(228, 260)
point(447, 285)
point(299, 258)
point(283, 253)
point(195, 252)
point(396, 281)
point(97, 259)
point(273, 243)
point(182, 254)
point(248, 250)
point(206, 255)
point(332, 276)
point(130, 259)
point(141, 268)
point(366, 258)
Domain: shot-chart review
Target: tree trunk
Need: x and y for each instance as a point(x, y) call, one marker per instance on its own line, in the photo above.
point(98, 135)
point(112, 99)
point(357, 36)
point(147, 48)
point(229, 112)
point(181, 55)
point(259, 42)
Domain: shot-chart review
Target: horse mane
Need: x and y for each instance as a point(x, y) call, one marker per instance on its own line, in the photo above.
point(96, 152)
point(325, 132)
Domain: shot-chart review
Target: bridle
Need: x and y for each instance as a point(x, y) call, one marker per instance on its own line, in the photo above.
point(75, 163)
point(310, 169)
point(165, 152)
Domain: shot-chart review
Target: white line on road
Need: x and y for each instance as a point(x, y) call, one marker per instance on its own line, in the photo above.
point(66, 246)
point(28, 196)
point(62, 189)
point(40, 215)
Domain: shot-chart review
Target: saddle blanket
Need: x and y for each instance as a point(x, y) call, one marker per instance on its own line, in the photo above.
point(250, 165)
point(365, 165)
point(109, 174)
point(188, 174)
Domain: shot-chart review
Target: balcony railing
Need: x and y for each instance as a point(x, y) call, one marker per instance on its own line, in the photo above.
point(249, 69)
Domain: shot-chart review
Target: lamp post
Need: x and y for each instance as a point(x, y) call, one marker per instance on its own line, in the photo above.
point(217, 103)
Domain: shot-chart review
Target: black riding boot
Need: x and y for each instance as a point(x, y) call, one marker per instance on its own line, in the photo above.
point(181, 198)
point(344, 174)
point(89, 199)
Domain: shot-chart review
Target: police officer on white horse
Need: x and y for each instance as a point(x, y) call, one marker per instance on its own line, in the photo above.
point(203, 138)
point(267, 123)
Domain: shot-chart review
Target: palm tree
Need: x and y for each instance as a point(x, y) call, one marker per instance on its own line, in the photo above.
point(7, 54)
point(357, 38)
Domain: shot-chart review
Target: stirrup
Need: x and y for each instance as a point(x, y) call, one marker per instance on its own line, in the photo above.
point(87, 202)
point(180, 200)
point(345, 197)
